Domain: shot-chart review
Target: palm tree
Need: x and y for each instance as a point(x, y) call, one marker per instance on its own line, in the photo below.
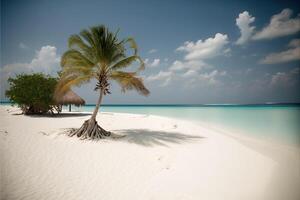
point(98, 54)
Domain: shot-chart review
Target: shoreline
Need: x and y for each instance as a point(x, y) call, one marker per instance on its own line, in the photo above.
point(160, 158)
point(230, 132)
point(197, 105)
point(260, 144)
point(264, 123)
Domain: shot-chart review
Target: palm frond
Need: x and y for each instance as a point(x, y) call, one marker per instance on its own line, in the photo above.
point(97, 51)
point(127, 62)
point(75, 58)
point(132, 44)
point(129, 81)
point(88, 37)
point(79, 70)
point(67, 81)
point(77, 43)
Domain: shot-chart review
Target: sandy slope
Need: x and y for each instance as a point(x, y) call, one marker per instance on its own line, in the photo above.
point(160, 158)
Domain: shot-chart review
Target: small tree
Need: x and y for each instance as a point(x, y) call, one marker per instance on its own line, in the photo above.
point(97, 53)
point(32, 93)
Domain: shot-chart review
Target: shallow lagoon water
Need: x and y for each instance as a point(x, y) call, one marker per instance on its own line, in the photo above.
point(270, 122)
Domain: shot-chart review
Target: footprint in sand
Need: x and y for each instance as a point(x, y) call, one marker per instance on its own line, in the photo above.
point(3, 134)
point(43, 133)
point(164, 162)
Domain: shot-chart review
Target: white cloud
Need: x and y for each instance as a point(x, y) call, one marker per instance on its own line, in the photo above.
point(164, 76)
point(46, 61)
point(211, 77)
point(160, 76)
point(285, 79)
point(291, 54)
point(23, 46)
point(178, 65)
point(190, 73)
point(197, 52)
point(152, 51)
point(208, 48)
point(243, 22)
point(154, 63)
point(280, 25)
point(188, 77)
point(195, 78)
point(189, 70)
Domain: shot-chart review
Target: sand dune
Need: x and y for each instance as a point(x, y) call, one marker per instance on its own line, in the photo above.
point(160, 158)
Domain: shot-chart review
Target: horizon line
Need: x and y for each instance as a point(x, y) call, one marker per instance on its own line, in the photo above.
point(192, 104)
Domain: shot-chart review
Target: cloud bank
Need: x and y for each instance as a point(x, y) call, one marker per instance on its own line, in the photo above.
point(190, 69)
point(292, 54)
point(281, 24)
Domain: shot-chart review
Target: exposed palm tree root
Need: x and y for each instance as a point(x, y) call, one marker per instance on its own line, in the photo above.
point(90, 130)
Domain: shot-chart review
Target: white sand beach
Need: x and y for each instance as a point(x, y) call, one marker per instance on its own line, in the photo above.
point(160, 158)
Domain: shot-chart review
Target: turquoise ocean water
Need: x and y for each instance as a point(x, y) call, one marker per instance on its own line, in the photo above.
point(270, 122)
point(280, 122)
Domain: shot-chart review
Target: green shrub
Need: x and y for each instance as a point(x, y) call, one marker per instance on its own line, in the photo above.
point(32, 93)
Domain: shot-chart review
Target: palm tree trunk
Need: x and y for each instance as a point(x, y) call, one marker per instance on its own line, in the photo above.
point(93, 118)
point(90, 128)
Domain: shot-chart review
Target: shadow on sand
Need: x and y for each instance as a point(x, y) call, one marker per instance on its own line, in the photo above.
point(150, 138)
point(61, 115)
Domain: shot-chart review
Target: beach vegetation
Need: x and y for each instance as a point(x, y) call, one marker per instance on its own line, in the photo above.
point(33, 93)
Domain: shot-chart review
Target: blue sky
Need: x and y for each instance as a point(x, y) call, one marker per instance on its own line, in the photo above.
point(196, 51)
